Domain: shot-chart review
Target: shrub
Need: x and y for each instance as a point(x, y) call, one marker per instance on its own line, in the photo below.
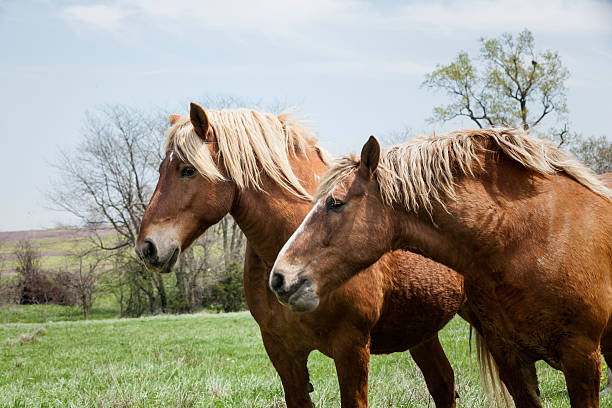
point(227, 294)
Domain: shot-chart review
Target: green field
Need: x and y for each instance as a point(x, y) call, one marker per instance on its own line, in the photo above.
point(54, 246)
point(55, 313)
point(203, 360)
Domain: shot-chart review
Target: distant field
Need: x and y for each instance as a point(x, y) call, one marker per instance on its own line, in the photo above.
point(53, 244)
point(204, 361)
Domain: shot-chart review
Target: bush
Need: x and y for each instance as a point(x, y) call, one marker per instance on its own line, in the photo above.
point(36, 286)
point(42, 287)
point(177, 303)
point(227, 294)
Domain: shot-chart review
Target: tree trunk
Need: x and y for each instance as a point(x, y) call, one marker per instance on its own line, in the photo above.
point(226, 248)
point(121, 312)
point(180, 274)
point(161, 290)
point(151, 302)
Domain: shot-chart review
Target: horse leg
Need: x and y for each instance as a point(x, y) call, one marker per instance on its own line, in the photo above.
point(352, 361)
point(581, 364)
point(518, 374)
point(436, 369)
point(292, 369)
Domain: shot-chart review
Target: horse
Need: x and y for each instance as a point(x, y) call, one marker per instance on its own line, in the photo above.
point(528, 227)
point(263, 169)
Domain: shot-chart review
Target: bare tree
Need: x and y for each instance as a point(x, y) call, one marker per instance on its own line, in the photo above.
point(232, 239)
point(82, 275)
point(107, 181)
point(108, 178)
point(193, 267)
point(397, 136)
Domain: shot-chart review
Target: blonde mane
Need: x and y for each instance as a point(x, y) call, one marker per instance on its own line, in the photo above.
point(418, 173)
point(246, 140)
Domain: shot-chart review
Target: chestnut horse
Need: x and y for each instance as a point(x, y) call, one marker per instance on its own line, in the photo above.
point(528, 227)
point(262, 169)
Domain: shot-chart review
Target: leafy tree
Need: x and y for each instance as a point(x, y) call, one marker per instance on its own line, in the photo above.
point(509, 84)
point(596, 152)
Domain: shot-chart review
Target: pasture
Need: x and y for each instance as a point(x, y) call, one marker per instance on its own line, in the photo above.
point(204, 360)
point(53, 245)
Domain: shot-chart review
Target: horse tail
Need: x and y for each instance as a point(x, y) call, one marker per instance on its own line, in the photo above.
point(494, 388)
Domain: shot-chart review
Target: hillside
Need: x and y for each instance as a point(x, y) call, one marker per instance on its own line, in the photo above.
point(53, 244)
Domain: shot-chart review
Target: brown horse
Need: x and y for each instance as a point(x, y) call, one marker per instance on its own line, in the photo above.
point(262, 169)
point(528, 227)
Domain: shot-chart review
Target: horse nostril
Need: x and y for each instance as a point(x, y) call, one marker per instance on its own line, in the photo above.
point(276, 282)
point(148, 250)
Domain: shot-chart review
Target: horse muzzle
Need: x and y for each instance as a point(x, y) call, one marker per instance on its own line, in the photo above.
point(161, 261)
point(300, 295)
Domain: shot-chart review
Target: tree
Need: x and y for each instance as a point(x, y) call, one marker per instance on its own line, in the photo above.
point(509, 84)
point(107, 180)
point(596, 152)
point(82, 276)
point(109, 177)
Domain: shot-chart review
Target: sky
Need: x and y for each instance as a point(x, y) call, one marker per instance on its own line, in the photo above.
point(350, 67)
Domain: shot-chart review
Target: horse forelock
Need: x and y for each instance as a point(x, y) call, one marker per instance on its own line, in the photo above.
point(338, 171)
point(420, 172)
point(249, 142)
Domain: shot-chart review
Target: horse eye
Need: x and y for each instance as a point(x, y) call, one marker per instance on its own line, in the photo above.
point(333, 204)
point(188, 171)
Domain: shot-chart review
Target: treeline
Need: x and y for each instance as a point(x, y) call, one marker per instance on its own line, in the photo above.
point(106, 181)
point(207, 276)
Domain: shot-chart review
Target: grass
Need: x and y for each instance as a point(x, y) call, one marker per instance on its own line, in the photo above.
point(53, 313)
point(204, 361)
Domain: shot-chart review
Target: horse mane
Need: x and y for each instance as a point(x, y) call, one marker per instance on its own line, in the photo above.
point(419, 172)
point(246, 139)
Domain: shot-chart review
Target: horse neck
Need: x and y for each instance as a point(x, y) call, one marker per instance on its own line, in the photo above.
point(268, 217)
point(499, 208)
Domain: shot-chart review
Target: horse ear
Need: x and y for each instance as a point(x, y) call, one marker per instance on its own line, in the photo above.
point(200, 122)
point(370, 155)
point(174, 119)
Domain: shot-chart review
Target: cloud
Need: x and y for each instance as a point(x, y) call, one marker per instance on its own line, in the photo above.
point(98, 16)
point(263, 16)
point(504, 15)
point(290, 16)
point(247, 14)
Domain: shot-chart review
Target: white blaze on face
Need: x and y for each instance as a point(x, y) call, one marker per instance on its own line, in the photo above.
point(170, 158)
point(291, 270)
